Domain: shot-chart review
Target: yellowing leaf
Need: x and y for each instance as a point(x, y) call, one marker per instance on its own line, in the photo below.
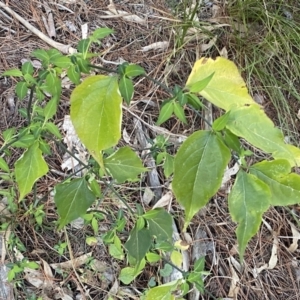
point(96, 113)
point(251, 123)
point(29, 168)
point(176, 258)
point(226, 88)
point(248, 200)
point(284, 186)
point(198, 170)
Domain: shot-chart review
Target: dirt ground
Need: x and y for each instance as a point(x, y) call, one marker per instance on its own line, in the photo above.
point(271, 269)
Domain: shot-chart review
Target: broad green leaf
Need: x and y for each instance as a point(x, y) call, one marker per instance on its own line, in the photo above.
point(52, 128)
point(284, 185)
point(101, 33)
point(139, 243)
point(13, 72)
point(29, 168)
point(179, 112)
point(24, 141)
point(159, 224)
point(83, 65)
point(61, 61)
point(126, 89)
point(249, 199)
point(165, 112)
point(226, 88)
point(42, 55)
point(252, 124)
point(21, 89)
point(52, 85)
point(27, 68)
point(30, 79)
point(153, 257)
point(162, 292)
point(53, 53)
point(198, 86)
point(128, 274)
point(133, 70)
point(198, 171)
point(124, 165)
point(176, 258)
point(96, 113)
point(74, 74)
point(50, 109)
point(3, 165)
point(72, 200)
point(115, 249)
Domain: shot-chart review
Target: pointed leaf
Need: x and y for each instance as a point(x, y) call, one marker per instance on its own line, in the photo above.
point(72, 200)
point(159, 224)
point(198, 86)
point(96, 113)
point(168, 165)
point(226, 88)
point(50, 109)
point(13, 72)
point(165, 112)
point(162, 292)
point(248, 200)
point(133, 70)
point(179, 112)
point(52, 128)
point(101, 33)
point(29, 168)
point(124, 165)
point(126, 89)
point(27, 68)
point(251, 123)
point(220, 123)
point(198, 170)
point(42, 55)
point(194, 101)
point(284, 185)
point(138, 244)
point(61, 61)
point(21, 89)
point(3, 165)
point(74, 74)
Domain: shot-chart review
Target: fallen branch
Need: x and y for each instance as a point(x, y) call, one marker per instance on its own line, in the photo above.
point(66, 49)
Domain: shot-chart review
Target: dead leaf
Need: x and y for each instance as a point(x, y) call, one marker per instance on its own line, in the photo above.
point(165, 200)
point(70, 264)
point(212, 42)
point(234, 289)
point(160, 46)
point(296, 237)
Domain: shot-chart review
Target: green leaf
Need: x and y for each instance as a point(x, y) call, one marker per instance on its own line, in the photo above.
point(252, 124)
point(159, 224)
point(27, 68)
point(29, 168)
point(226, 88)
point(194, 101)
point(61, 61)
point(179, 112)
point(124, 165)
point(74, 74)
point(232, 141)
point(13, 72)
point(24, 141)
point(30, 79)
point(115, 249)
point(96, 113)
point(162, 292)
point(21, 89)
point(249, 199)
point(220, 123)
point(166, 271)
point(101, 33)
point(52, 128)
point(126, 89)
point(50, 109)
point(128, 274)
point(83, 47)
point(165, 112)
point(139, 243)
point(44, 146)
point(53, 54)
point(284, 185)
point(42, 55)
point(72, 200)
point(134, 70)
point(199, 265)
point(168, 165)
point(176, 258)
point(3, 165)
point(152, 257)
point(52, 85)
point(198, 86)
point(83, 65)
point(198, 170)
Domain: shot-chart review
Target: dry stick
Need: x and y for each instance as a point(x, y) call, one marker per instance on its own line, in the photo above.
point(66, 49)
